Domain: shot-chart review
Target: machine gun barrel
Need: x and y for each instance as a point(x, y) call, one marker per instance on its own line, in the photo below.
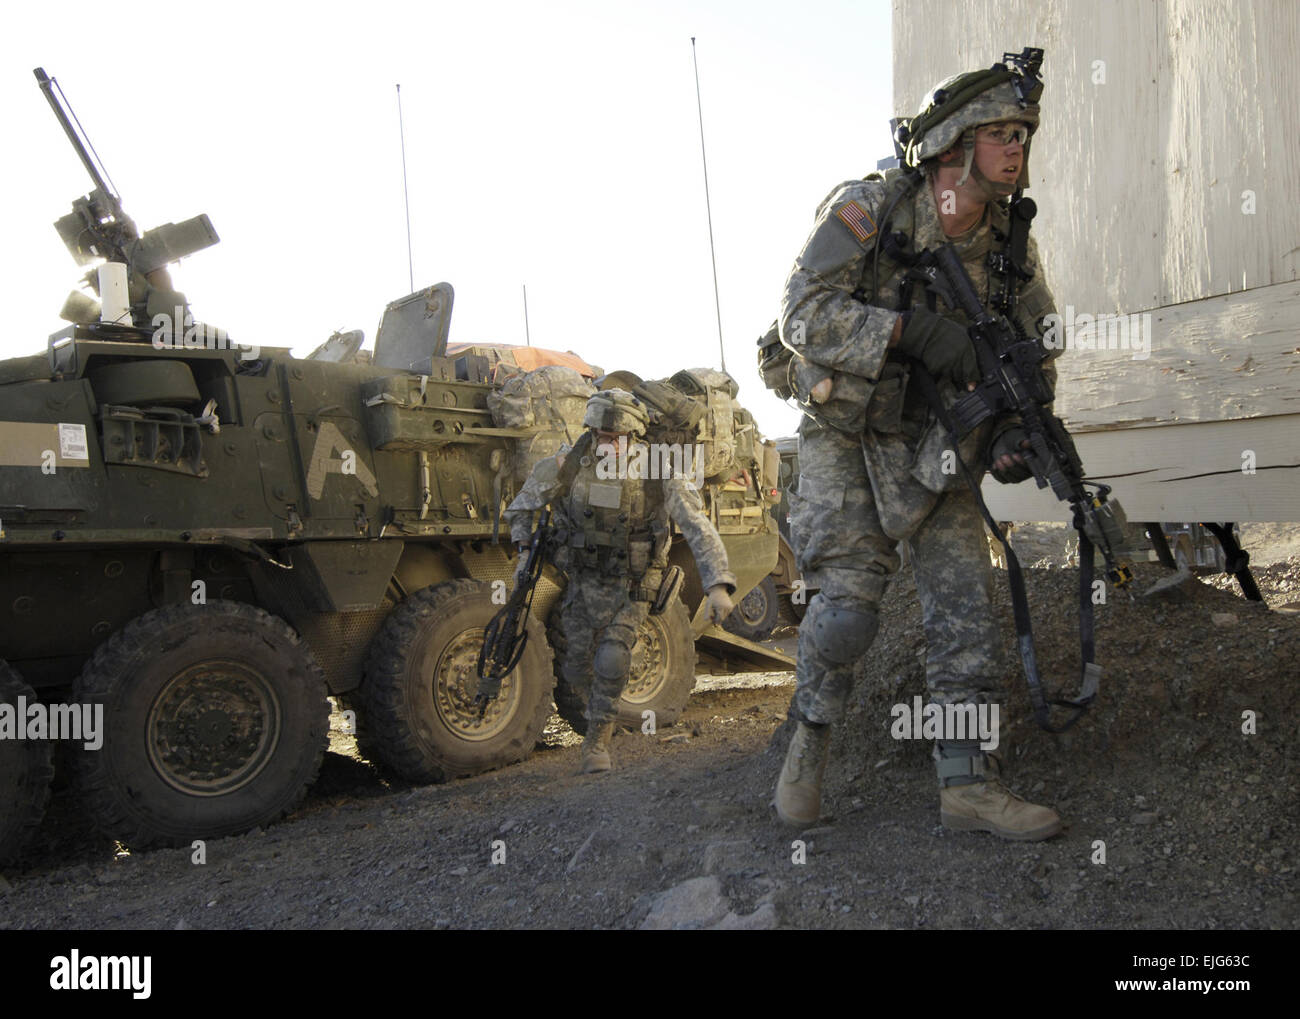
point(47, 86)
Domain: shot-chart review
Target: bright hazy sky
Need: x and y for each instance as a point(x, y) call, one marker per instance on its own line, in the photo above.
point(552, 144)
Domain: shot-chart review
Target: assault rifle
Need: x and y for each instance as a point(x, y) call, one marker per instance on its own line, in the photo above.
point(1012, 382)
point(506, 635)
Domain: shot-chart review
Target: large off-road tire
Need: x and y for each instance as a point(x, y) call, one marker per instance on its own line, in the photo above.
point(26, 770)
point(755, 615)
point(417, 698)
point(215, 721)
point(661, 679)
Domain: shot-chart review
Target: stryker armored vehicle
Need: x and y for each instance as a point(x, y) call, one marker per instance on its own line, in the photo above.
point(205, 541)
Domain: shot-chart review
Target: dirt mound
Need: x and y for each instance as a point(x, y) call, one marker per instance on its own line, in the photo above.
point(1163, 744)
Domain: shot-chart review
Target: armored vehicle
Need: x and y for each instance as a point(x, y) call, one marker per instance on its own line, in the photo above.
point(203, 541)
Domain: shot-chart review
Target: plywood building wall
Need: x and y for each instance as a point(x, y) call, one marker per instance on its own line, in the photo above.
point(1167, 177)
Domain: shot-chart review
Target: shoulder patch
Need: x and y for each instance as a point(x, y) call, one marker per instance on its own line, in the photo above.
point(854, 216)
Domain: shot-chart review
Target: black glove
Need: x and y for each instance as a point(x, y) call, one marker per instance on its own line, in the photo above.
point(1011, 444)
point(940, 344)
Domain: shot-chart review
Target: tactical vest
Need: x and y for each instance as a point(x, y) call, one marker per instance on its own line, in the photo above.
point(612, 526)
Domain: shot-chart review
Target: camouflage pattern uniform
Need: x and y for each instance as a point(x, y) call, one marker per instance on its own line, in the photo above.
point(616, 539)
point(874, 467)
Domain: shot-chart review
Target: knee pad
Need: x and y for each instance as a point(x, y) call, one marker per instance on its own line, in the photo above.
point(841, 631)
point(612, 660)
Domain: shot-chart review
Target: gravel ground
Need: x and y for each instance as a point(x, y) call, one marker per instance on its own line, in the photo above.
point(1198, 819)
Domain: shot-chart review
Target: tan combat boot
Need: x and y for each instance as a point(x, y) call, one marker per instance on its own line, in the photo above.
point(990, 806)
point(595, 748)
point(799, 789)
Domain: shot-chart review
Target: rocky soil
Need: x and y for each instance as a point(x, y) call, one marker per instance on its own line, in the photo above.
point(1198, 818)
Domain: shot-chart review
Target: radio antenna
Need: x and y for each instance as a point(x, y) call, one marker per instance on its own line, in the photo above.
point(401, 134)
point(708, 208)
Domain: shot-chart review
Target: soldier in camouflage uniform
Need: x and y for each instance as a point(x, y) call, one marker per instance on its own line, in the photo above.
point(614, 538)
point(875, 469)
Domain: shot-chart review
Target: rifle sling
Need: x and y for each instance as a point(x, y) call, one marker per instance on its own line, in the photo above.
point(1091, 672)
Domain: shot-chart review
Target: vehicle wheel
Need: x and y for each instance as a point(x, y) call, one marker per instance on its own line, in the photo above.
point(421, 678)
point(755, 617)
point(793, 611)
point(215, 721)
point(661, 679)
point(26, 771)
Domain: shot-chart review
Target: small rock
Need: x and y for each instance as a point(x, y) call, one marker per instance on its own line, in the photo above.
point(1252, 780)
point(460, 871)
point(696, 903)
point(912, 900)
point(1223, 619)
point(1145, 817)
point(181, 925)
point(680, 737)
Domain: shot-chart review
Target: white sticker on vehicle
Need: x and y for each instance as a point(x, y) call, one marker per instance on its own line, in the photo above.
point(72, 442)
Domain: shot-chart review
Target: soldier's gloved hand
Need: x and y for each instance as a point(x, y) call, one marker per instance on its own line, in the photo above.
point(720, 604)
point(941, 345)
point(1006, 460)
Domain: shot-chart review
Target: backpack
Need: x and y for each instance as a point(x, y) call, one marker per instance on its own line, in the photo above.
point(551, 399)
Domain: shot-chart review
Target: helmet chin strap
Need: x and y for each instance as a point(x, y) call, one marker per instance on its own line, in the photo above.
point(994, 189)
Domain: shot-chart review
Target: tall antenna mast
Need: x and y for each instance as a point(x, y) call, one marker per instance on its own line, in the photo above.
point(401, 134)
point(528, 337)
point(708, 207)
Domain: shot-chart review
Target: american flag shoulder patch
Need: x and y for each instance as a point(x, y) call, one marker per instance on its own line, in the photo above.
point(855, 217)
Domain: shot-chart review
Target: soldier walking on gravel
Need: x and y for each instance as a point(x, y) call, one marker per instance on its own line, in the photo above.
point(613, 537)
point(874, 469)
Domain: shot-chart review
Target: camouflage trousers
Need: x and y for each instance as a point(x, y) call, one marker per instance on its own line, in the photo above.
point(843, 550)
point(600, 623)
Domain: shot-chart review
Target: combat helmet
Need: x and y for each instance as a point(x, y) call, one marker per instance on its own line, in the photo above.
point(956, 106)
point(616, 410)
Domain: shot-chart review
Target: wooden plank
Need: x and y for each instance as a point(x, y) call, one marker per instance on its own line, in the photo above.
point(1228, 79)
point(1224, 358)
point(1180, 472)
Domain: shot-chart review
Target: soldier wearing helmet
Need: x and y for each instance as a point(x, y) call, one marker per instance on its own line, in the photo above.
point(874, 467)
point(614, 535)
